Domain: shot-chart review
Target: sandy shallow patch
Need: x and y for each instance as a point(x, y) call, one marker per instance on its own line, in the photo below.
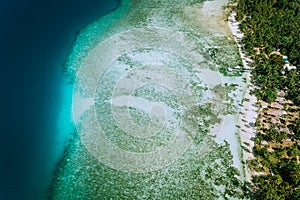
point(152, 91)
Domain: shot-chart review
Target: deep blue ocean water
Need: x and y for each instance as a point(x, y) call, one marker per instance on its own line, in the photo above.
point(35, 39)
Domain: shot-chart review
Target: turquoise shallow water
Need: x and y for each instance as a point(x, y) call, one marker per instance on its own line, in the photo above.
point(205, 169)
point(65, 124)
point(36, 37)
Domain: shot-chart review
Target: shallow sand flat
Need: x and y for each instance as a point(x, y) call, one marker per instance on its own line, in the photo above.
point(165, 69)
point(209, 14)
point(145, 99)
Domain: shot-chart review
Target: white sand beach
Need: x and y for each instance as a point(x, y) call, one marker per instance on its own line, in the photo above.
point(248, 112)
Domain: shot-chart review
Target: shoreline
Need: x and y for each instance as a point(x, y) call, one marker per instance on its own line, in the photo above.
point(275, 80)
point(248, 112)
point(80, 164)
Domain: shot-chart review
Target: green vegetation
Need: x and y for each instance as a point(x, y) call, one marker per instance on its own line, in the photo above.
point(281, 178)
point(276, 26)
point(272, 29)
point(271, 37)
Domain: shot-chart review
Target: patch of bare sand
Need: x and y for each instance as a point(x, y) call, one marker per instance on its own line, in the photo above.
point(248, 114)
point(209, 14)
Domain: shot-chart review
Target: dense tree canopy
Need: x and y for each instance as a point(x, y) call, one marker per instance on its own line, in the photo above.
point(271, 31)
point(276, 24)
point(273, 26)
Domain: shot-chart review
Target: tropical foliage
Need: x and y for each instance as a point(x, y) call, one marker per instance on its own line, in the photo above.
point(272, 29)
point(272, 38)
